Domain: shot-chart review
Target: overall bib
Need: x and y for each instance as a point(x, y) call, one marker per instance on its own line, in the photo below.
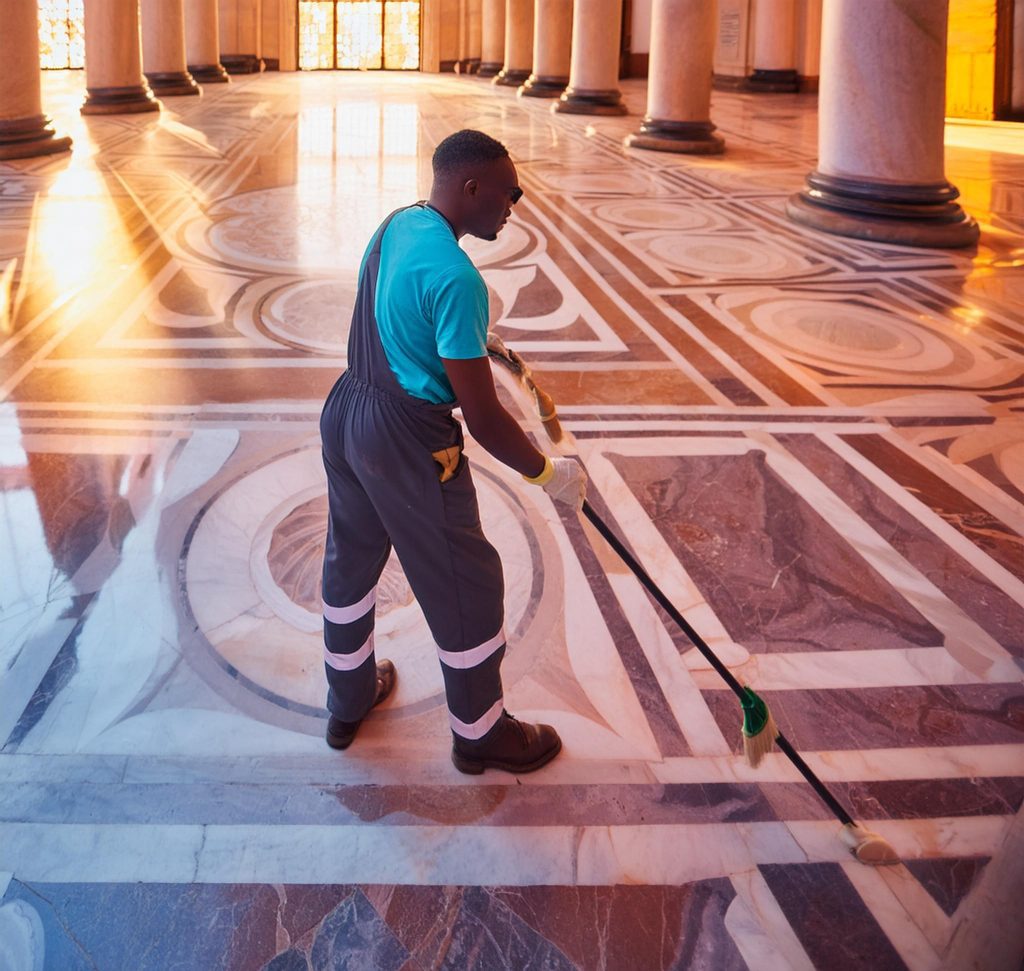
point(385, 487)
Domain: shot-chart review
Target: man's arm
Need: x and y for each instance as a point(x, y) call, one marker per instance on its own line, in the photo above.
point(487, 420)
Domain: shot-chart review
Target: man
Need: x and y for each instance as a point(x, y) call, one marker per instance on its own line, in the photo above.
point(395, 469)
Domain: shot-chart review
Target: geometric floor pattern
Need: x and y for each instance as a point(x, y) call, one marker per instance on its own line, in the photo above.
point(814, 444)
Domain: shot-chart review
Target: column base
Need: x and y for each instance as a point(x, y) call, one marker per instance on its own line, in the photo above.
point(540, 86)
point(209, 73)
point(172, 83)
point(687, 137)
point(119, 101)
point(241, 63)
point(488, 69)
point(581, 101)
point(510, 79)
point(773, 81)
point(729, 82)
point(923, 214)
point(29, 137)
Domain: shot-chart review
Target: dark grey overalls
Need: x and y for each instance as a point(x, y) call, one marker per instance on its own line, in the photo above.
point(385, 487)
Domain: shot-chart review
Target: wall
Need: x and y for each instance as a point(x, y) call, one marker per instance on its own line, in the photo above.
point(971, 59)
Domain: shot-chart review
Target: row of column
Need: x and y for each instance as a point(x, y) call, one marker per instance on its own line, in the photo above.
point(881, 112)
point(176, 41)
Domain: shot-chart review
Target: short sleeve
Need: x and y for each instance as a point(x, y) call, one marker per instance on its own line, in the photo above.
point(460, 313)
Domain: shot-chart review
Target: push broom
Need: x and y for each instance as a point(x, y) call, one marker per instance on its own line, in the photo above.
point(760, 733)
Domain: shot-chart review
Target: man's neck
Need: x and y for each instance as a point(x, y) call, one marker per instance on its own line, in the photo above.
point(444, 211)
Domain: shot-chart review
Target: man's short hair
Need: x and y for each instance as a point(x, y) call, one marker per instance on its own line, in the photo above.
point(464, 149)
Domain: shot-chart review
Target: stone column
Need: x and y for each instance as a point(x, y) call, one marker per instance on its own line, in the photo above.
point(469, 56)
point(492, 54)
point(163, 48)
point(202, 42)
point(552, 49)
point(518, 43)
point(113, 60)
point(808, 44)
point(594, 65)
point(24, 129)
point(774, 46)
point(881, 171)
point(678, 115)
point(241, 40)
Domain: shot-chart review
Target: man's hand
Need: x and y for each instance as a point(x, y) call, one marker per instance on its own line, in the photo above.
point(488, 422)
point(563, 479)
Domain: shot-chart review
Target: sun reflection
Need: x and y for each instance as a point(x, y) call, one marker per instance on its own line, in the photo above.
point(359, 161)
point(78, 234)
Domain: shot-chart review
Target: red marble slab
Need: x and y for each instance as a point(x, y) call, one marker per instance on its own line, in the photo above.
point(905, 717)
point(992, 609)
point(829, 918)
point(776, 573)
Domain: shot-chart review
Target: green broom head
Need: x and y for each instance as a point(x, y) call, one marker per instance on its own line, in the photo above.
point(759, 731)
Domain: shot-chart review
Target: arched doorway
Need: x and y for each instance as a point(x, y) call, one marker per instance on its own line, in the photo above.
point(366, 35)
point(61, 34)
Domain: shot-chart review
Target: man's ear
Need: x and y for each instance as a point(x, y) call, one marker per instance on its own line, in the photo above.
point(470, 187)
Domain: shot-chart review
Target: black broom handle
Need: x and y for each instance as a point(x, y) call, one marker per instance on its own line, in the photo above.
point(655, 591)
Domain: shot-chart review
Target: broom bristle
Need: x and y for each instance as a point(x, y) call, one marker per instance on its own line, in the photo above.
point(759, 729)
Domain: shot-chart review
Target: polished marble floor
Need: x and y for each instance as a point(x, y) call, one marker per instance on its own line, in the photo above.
point(816, 445)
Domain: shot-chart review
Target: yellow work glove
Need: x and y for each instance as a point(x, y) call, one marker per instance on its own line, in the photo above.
point(563, 479)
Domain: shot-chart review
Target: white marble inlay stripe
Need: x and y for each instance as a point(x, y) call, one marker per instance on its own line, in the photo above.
point(655, 425)
point(664, 345)
point(966, 480)
point(474, 856)
point(854, 669)
point(996, 574)
point(966, 640)
point(392, 763)
point(905, 936)
point(765, 932)
point(88, 364)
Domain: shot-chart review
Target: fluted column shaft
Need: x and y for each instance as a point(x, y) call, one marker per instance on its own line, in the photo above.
point(883, 177)
point(113, 60)
point(518, 43)
point(774, 46)
point(492, 47)
point(163, 48)
point(594, 64)
point(202, 42)
point(552, 49)
point(678, 115)
point(24, 130)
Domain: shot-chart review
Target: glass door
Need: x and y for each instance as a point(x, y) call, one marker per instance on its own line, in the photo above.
point(362, 35)
point(61, 34)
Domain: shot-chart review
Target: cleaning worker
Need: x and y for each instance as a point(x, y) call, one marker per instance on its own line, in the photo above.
point(396, 472)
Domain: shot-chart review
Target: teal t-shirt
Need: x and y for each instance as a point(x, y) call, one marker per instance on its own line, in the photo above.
point(431, 302)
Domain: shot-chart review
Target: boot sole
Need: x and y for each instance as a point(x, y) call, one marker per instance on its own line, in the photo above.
point(477, 766)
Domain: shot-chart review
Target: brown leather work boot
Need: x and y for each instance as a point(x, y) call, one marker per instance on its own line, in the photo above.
point(511, 745)
point(339, 733)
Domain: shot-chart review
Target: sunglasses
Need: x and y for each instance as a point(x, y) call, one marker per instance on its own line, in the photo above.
point(517, 194)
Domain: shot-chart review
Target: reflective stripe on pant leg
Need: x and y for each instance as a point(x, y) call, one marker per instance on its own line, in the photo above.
point(357, 549)
point(472, 681)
